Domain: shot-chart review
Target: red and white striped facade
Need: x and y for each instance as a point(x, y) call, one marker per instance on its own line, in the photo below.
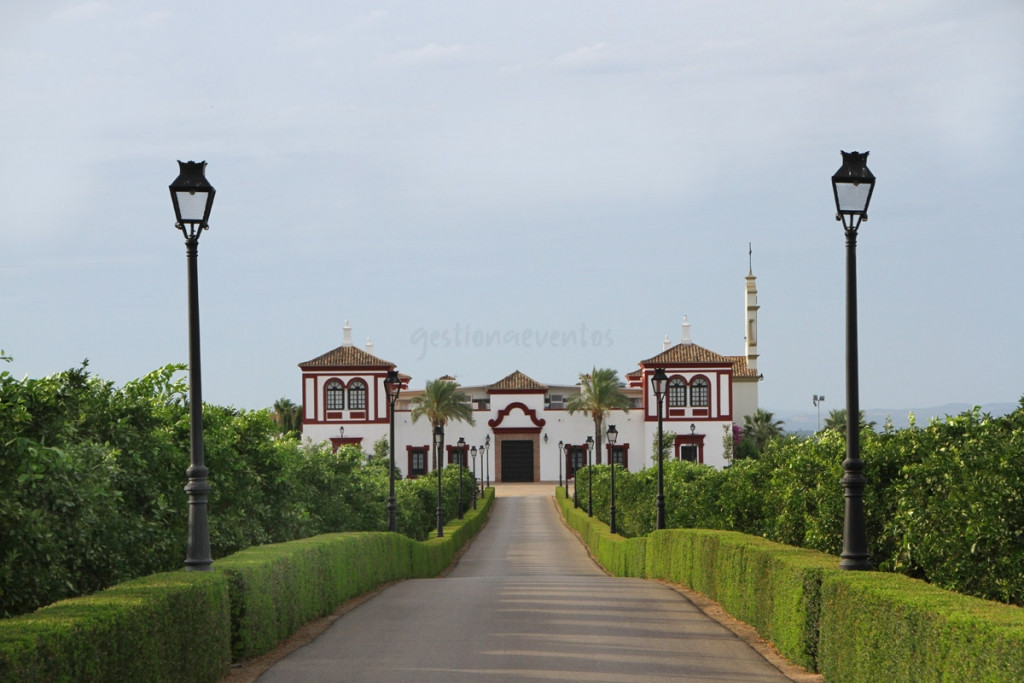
point(519, 422)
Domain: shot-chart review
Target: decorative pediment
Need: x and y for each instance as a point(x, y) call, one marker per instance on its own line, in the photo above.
point(538, 422)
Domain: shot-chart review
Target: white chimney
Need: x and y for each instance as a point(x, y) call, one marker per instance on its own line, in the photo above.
point(686, 331)
point(665, 344)
point(347, 340)
point(369, 345)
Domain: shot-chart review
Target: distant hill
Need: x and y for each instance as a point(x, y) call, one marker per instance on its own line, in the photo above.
point(806, 421)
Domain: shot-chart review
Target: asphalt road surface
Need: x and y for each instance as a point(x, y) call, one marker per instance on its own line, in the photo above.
point(525, 603)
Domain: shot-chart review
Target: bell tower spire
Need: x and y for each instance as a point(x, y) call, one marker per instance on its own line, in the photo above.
point(751, 312)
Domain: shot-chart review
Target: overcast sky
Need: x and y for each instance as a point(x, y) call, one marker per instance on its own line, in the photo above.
point(482, 187)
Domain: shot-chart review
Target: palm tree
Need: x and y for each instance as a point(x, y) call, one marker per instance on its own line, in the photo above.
point(440, 402)
point(761, 427)
point(600, 393)
point(836, 420)
point(287, 415)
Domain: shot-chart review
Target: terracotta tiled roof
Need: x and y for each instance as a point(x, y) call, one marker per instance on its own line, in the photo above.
point(687, 353)
point(446, 378)
point(517, 381)
point(347, 356)
point(740, 369)
point(636, 374)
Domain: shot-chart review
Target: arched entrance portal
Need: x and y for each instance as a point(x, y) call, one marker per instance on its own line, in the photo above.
point(517, 447)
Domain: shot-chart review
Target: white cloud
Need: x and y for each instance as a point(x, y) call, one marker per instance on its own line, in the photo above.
point(431, 53)
point(584, 57)
point(81, 12)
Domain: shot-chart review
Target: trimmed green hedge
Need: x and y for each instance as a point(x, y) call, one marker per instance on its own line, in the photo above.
point(189, 626)
point(850, 626)
point(888, 627)
point(165, 627)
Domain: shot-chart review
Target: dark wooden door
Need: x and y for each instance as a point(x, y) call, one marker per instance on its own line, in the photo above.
point(516, 461)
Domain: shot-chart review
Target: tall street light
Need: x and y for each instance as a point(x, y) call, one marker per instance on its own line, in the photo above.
point(192, 196)
point(612, 435)
point(393, 386)
point(561, 461)
point(659, 382)
point(818, 400)
point(472, 452)
point(438, 445)
point(460, 448)
point(852, 186)
point(487, 459)
point(590, 477)
point(575, 457)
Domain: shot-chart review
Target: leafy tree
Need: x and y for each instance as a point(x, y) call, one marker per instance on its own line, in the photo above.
point(668, 439)
point(836, 421)
point(760, 428)
point(440, 402)
point(600, 393)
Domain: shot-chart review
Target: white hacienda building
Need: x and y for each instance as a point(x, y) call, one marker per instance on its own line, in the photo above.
point(520, 422)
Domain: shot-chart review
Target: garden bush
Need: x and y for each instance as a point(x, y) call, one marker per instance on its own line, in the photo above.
point(92, 478)
point(943, 502)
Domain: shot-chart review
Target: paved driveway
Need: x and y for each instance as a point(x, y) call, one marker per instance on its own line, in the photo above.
point(525, 603)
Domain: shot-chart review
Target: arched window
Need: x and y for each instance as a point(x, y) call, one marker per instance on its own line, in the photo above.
point(335, 395)
point(357, 395)
point(676, 393)
point(699, 392)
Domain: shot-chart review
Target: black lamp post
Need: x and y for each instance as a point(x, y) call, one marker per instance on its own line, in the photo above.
point(460, 450)
point(561, 461)
point(438, 445)
point(574, 456)
point(613, 435)
point(659, 382)
point(192, 196)
point(487, 459)
point(472, 452)
point(852, 186)
point(590, 478)
point(393, 386)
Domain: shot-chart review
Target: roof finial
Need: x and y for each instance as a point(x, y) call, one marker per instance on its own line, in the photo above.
point(750, 256)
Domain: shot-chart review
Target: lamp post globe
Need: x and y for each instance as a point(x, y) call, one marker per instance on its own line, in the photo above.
point(393, 386)
point(659, 384)
point(192, 197)
point(852, 187)
point(612, 435)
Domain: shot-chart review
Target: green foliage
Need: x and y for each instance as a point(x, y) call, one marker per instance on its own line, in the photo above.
point(858, 626)
point(142, 630)
point(758, 430)
point(667, 440)
point(288, 416)
point(836, 421)
point(600, 393)
point(943, 503)
point(442, 402)
point(147, 629)
point(92, 478)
